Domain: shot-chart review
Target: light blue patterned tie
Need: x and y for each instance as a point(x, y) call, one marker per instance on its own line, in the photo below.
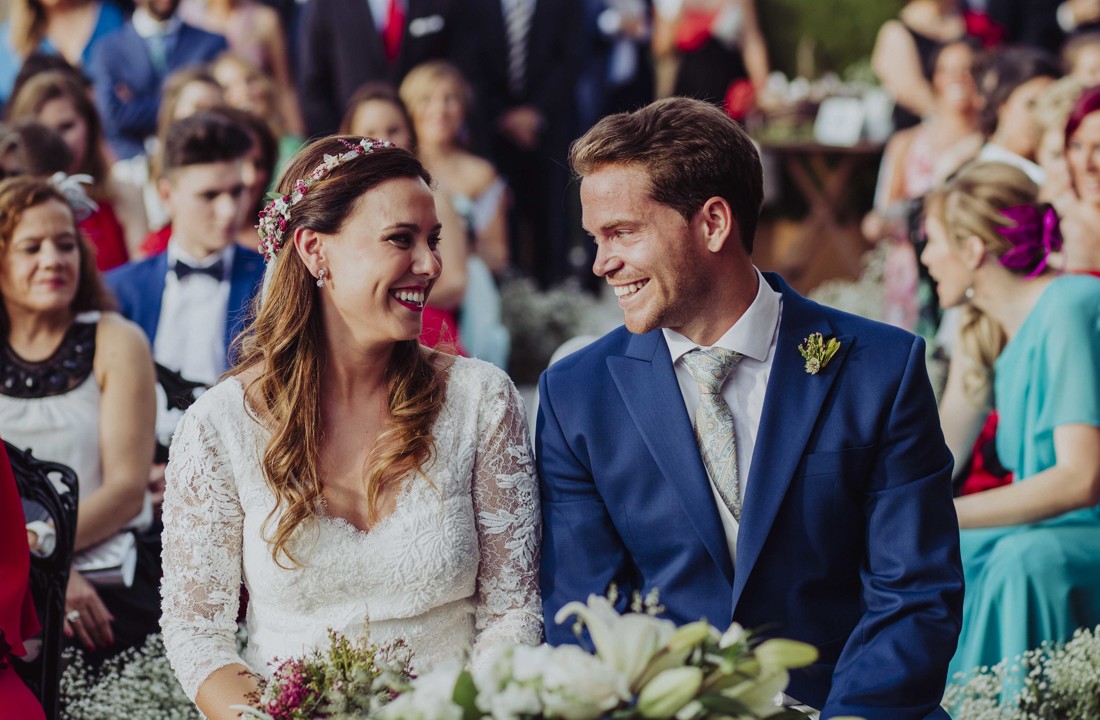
point(714, 422)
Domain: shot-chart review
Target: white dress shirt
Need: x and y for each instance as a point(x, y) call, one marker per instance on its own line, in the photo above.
point(191, 330)
point(754, 335)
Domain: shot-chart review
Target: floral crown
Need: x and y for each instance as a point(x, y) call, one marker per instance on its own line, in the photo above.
point(276, 214)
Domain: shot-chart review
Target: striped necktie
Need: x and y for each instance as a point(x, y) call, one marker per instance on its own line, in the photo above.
point(517, 24)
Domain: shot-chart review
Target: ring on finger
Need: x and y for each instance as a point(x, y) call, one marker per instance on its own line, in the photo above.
point(72, 616)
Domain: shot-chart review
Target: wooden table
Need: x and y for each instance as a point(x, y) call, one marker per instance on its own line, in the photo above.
point(823, 175)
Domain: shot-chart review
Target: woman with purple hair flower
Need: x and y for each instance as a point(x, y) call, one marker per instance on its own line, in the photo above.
point(1031, 339)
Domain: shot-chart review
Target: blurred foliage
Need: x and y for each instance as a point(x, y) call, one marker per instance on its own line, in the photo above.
point(830, 35)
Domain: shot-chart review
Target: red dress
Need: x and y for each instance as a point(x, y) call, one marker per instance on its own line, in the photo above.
point(104, 231)
point(17, 618)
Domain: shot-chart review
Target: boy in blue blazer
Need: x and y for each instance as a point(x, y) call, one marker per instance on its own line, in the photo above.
point(194, 298)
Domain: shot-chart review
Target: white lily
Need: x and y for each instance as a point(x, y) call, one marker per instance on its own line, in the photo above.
point(626, 642)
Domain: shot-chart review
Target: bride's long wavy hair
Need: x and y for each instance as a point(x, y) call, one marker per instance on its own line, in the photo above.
point(286, 342)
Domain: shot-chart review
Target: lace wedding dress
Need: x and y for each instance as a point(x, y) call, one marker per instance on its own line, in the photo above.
point(454, 566)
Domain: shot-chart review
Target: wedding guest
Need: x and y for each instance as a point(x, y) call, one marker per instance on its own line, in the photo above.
point(1081, 58)
point(59, 102)
point(1045, 24)
point(523, 65)
point(718, 45)
point(250, 89)
point(344, 472)
point(186, 92)
point(1082, 137)
point(78, 388)
point(1010, 80)
point(1052, 109)
point(128, 68)
point(69, 28)
point(1031, 339)
point(31, 148)
point(192, 299)
point(344, 45)
point(257, 171)
point(376, 111)
point(904, 52)
point(438, 99)
point(255, 34)
point(18, 621)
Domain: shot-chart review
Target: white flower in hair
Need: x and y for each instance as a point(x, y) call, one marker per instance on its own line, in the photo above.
point(72, 187)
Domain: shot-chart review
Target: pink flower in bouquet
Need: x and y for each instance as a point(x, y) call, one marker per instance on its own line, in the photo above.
point(291, 690)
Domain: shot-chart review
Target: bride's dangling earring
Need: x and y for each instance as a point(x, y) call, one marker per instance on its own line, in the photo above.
point(321, 277)
point(968, 293)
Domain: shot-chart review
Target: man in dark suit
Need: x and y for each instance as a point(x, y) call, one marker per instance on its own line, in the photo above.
point(345, 43)
point(194, 298)
point(128, 68)
point(712, 451)
point(523, 58)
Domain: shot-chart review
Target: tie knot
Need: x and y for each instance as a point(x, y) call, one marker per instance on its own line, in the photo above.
point(710, 368)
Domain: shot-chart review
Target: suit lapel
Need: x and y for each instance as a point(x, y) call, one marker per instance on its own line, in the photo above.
point(372, 35)
point(242, 287)
point(793, 401)
point(647, 383)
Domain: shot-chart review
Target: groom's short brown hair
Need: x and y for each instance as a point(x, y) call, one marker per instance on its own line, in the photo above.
point(691, 150)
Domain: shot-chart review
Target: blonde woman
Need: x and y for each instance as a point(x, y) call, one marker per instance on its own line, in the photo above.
point(1030, 338)
point(438, 99)
point(345, 472)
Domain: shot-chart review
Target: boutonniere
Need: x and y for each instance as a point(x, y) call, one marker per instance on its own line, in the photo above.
point(818, 352)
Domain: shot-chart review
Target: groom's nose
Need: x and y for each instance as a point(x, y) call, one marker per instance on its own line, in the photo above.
point(606, 261)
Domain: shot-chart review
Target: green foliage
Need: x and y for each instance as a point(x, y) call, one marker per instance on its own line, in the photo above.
point(842, 31)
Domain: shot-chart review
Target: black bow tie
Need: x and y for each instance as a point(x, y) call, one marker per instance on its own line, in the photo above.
point(216, 271)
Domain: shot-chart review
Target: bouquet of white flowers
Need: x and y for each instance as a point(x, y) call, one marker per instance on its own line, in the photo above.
point(641, 667)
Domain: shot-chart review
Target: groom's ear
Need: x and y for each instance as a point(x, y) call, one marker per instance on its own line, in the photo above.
point(718, 225)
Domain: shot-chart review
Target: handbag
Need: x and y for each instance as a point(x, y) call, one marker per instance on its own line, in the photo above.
point(110, 563)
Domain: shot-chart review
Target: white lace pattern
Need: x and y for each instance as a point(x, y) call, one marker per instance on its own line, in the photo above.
point(455, 564)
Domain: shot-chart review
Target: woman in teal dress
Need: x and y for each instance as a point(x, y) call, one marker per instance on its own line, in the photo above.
point(1030, 339)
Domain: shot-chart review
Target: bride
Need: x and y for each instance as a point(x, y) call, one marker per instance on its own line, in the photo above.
point(343, 472)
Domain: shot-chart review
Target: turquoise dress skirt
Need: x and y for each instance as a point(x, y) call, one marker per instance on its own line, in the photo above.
point(1026, 584)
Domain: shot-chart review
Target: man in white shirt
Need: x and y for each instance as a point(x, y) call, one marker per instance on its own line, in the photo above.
point(193, 299)
point(746, 453)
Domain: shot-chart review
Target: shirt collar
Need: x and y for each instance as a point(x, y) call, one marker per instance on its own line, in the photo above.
point(751, 335)
point(175, 252)
point(145, 25)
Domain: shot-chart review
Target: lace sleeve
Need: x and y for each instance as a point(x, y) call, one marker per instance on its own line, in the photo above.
point(200, 592)
point(509, 525)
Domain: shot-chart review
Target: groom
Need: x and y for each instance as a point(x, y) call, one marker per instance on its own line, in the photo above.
point(698, 453)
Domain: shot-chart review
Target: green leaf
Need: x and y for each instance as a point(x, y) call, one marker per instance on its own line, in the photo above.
point(723, 705)
point(465, 696)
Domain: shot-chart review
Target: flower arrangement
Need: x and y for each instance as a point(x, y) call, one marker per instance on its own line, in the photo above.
point(137, 684)
point(817, 351)
point(640, 666)
point(351, 678)
point(1051, 682)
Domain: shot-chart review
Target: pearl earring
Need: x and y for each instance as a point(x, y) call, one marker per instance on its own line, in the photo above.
point(321, 277)
point(968, 293)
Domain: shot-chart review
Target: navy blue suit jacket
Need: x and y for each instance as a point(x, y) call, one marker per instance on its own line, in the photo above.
point(848, 539)
point(139, 288)
point(121, 59)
